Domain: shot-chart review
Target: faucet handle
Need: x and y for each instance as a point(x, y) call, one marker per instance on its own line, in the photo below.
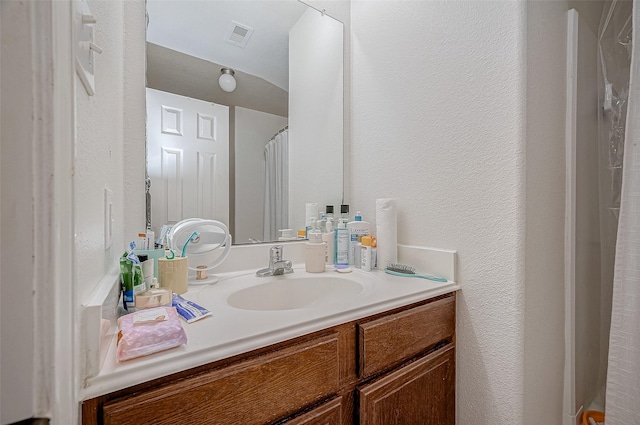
point(275, 254)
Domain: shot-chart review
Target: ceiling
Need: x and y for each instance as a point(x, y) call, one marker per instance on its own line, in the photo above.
point(198, 28)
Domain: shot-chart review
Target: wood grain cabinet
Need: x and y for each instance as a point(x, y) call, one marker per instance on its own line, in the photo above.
point(421, 393)
point(329, 413)
point(393, 368)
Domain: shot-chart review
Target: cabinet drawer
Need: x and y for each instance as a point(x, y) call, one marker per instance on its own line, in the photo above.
point(256, 391)
point(387, 341)
point(420, 393)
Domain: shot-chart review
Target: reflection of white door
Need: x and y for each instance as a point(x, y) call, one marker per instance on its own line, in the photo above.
point(187, 158)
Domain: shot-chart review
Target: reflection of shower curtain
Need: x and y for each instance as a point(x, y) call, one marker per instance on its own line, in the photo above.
point(623, 375)
point(276, 185)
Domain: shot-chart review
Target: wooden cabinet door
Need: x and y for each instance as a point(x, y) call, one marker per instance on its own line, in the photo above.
point(329, 413)
point(420, 393)
point(254, 392)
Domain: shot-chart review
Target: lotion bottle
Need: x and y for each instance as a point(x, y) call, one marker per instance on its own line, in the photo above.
point(314, 253)
point(366, 254)
point(356, 228)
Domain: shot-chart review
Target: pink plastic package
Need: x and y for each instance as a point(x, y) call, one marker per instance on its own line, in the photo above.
point(149, 331)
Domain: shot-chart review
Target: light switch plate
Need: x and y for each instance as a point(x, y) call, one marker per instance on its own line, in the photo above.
point(108, 218)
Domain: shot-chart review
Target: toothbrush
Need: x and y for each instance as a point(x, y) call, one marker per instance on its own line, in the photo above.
point(193, 238)
point(408, 271)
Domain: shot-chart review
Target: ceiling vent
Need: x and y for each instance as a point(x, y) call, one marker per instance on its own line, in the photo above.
point(238, 34)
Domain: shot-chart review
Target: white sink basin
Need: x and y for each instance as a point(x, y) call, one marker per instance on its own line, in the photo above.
point(299, 290)
point(293, 293)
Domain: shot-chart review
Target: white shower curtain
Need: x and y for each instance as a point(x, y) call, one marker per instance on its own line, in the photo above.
point(623, 375)
point(276, 185)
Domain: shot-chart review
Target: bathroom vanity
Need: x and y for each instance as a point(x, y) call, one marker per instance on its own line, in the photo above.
point(304, 348)
point(393, 367)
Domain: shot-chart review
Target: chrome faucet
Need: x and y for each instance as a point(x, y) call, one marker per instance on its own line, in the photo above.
point(277, 266)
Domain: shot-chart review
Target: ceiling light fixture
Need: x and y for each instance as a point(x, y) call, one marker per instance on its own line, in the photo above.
point(226, 80)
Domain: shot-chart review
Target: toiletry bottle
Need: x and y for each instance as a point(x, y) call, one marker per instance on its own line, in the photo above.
point(150, 240)
point(344, 213)
point(331, 222)
point(310, 213)
point(314, 253)
point(314, 227)
point(329, 213)
point(357, 261)
point(356, 228)
point(342, 244)
point(322, 222)
point(374, 253)
point(328, 235)
point(366, 253)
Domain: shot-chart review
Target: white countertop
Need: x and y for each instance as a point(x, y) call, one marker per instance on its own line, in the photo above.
point(231, 331)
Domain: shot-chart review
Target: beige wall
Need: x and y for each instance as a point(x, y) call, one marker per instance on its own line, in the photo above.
point(179, 73)
point(544, 211)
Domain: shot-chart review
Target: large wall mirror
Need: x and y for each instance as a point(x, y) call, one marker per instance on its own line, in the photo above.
point(252, 155)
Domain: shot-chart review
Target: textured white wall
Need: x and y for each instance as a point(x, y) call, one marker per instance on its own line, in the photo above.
point(254, 129)
point(438, 107)
point(110, 142)
point(315, 114)
point(99, 152)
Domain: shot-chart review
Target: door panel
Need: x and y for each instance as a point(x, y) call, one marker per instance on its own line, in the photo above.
point(187, 158)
